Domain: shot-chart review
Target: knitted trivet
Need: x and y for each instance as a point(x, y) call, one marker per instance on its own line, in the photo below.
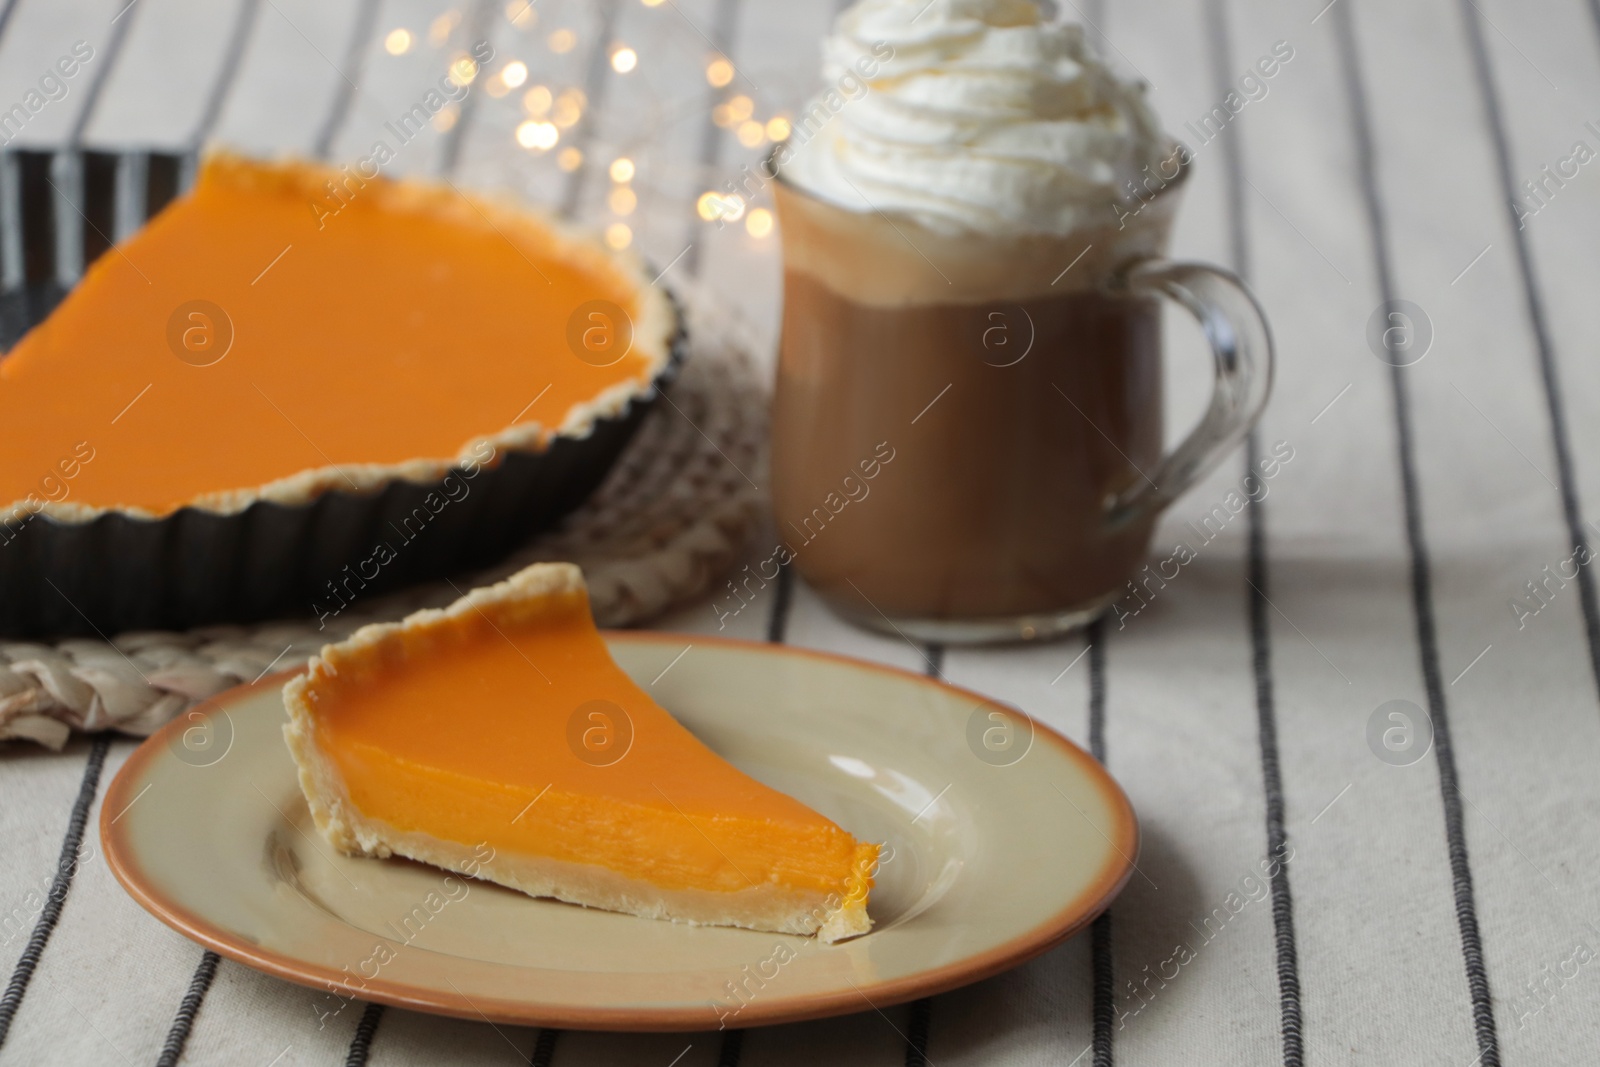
point(670, 516)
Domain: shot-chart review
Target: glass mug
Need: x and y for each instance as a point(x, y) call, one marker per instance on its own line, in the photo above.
point(967, 429)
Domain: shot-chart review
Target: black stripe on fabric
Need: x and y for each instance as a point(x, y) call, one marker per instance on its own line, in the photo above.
point(917, 1026)
point(1290, 1018)
point(119, 35)
point(1104, 1007)
point(1095, 635)
point(5, 15)
point(1288, 956)
point(232, 59)
point(183, 1022)
point(725, 24)
point(1105, 1002)
point(595, 81)
point(1571, 509)
point(544, 1048)
point(1221, 54)
point(479, 23)
point(782, 600)
point(13, 303)
point(60, 885)
point(732, 1048)
point(361, 1041)
point(349, 71)
point(920, 1019)
point(1421, 575)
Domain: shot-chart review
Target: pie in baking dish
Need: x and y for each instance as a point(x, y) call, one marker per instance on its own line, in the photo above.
point(289, 328)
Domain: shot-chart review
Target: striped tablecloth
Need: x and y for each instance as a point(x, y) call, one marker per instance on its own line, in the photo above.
point(1425, 542)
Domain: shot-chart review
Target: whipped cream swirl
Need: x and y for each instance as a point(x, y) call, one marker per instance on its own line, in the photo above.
point(972, 115)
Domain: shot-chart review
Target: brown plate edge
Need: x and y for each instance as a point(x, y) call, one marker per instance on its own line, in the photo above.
point(1070, 920)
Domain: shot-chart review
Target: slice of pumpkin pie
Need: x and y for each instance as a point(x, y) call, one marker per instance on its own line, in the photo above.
point(500, 725)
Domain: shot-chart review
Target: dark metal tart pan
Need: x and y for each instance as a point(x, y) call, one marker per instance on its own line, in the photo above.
point(118, 572)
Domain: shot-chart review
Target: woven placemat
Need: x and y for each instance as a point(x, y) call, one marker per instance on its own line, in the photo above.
point(671, 516)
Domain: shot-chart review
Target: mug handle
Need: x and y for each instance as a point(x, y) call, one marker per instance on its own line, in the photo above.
point(1240, 340)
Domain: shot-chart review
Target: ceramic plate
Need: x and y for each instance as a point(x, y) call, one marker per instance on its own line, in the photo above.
point(1003, 839)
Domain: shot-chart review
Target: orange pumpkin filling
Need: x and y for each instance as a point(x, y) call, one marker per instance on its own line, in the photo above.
point(503, 725)
point(284, 318)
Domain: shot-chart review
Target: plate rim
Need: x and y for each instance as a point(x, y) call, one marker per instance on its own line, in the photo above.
point(1066, 922)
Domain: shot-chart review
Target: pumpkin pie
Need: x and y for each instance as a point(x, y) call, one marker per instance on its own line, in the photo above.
point(500, 727)
point(287, 332)
point(289, 328)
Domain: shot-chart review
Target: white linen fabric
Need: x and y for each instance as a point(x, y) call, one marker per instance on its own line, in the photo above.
point(1425, 542)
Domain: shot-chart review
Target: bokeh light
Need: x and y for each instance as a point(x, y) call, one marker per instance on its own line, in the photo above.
point(537, 101)
point(537, 135)
point(569, 108)
point(462, 71)
point(439, 29)
point(713, 205)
